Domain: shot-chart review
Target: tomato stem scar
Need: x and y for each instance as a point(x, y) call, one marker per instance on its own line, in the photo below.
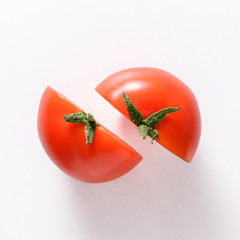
point(146, 127)
point(84, 118)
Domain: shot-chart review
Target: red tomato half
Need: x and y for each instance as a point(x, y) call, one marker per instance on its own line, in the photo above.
point(150, 90)
point(105, 159)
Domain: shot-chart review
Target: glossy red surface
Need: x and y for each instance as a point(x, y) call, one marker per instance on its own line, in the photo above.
point(105, 159)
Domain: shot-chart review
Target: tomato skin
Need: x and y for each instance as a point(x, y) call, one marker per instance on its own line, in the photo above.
point(150, 90)
point(105, 159)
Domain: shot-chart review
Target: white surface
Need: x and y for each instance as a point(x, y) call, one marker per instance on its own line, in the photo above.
point(72, 46)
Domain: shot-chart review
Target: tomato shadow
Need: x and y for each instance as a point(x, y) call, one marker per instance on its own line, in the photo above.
point(163, 197)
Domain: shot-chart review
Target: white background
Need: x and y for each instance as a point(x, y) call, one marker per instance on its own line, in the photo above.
point(72, 46)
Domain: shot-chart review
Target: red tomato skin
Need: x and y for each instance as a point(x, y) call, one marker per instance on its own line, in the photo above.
point(105, 159)
point(152, 89)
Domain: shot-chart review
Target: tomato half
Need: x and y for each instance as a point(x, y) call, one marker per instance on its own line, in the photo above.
point(105, 159)
point(151, 90)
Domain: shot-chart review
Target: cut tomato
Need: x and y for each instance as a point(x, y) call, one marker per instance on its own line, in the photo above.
point(106, 158)
point(151, 90)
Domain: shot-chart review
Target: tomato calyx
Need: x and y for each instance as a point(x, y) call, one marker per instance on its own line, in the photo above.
point(84, 118)
point(146, 127)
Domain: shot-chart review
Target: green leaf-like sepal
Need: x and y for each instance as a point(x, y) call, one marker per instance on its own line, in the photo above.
point(155, 118)
point(80, 118)
point(89, 132)
point(153, 134)
point(134, 114)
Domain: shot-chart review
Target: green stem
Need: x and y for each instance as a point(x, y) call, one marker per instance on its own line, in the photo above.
point(86, 119)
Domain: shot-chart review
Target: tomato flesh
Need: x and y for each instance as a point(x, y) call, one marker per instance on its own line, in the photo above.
point(106, 158)
point(150, 90)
